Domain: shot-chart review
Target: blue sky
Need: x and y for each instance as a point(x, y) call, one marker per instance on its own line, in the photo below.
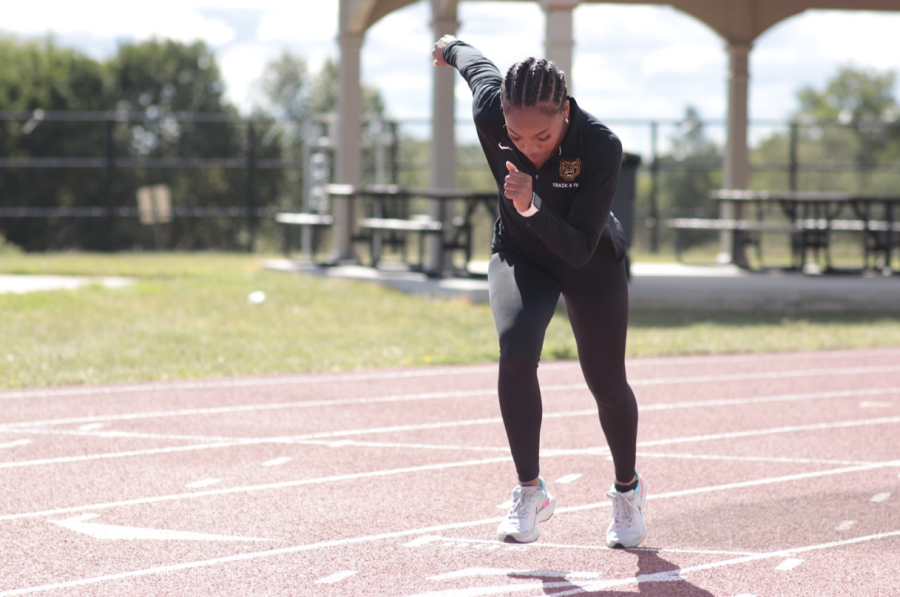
point(631, 62)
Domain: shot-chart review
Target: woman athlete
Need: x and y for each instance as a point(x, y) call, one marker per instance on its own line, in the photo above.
point(556, 168)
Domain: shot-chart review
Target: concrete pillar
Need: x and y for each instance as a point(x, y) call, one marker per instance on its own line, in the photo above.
point(559, 41)
point(348, 167)
point(737, 163)
point(443, 144)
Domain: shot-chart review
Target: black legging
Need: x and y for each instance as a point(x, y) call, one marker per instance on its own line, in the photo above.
point(524, 296)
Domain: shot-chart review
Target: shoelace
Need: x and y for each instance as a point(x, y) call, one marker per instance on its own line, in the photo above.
point(623, 509)
point(519, 508)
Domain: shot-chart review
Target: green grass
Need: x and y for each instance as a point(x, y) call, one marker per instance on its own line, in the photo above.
point(188, 316)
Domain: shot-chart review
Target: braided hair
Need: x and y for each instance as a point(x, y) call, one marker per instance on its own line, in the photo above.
point(534, 83)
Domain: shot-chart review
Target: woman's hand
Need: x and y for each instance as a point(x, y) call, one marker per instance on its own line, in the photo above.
point(439, 47)
point(518, 188)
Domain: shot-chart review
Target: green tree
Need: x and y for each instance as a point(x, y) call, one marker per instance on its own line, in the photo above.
point(160, 79)
point(37, 77)
point(690, 170)
point(848, 136)
point(324, 94)
point(157, 80)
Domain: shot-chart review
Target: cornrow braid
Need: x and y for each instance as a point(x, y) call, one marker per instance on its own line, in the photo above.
point(534, 83)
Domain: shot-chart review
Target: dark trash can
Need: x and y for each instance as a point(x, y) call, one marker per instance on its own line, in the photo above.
point(624, 199)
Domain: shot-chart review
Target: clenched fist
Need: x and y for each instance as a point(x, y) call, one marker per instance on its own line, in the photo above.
point(518, 187)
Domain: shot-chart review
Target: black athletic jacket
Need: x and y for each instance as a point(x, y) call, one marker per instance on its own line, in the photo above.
point(575, 187)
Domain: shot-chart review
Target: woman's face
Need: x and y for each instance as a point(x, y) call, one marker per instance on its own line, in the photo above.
point(535, 133)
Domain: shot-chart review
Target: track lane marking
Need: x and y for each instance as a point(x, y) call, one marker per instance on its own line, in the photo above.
point(336, 577)
point(311, 378)
point(791, 397)
point(427, 539)
point(277, 461)
point(15, 444)
point(569, 478)
point(423, 468)
point(789, 564)
point(306, 379)
point(749, 458)
point(251, 488)
point(425, 530)
point(305, 438)
point(662, 576)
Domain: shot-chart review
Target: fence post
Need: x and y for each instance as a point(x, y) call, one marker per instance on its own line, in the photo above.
point(108, 184)
point(395, 153)
point(792, 157)
point(653, 222)
point(251, 186)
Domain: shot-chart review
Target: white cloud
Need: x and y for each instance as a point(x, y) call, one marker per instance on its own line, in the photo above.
point(631, 61)
point(242, 66)
point(115, 20)
point(301, 22)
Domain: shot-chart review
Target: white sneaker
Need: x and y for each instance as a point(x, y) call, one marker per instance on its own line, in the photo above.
point(627, 528)
point(530, 505)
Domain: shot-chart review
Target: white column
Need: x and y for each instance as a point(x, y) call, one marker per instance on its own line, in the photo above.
point(737, 163)
point(559, 42)
point(348, 161)
point(443, 143)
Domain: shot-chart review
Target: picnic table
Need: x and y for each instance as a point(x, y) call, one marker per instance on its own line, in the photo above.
point(809, 218)
point(383, 216)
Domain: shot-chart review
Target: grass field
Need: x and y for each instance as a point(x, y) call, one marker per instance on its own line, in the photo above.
point(188, 316)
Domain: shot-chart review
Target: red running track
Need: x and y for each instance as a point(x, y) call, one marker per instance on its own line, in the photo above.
point(768, 475)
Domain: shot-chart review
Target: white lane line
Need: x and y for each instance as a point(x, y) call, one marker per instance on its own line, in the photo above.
point(477, 572)
point(423, 468)
point(305, 438)
point(568, 478)
point(737, 485)
point(248, 383)
point(789, 564)
point(667, 576)
point(336, 577)
point(277, 461)
point(846, 525)
point(310, 379)
point(261, 407)
point(881, 497)
point(15, 444)
point(112, 532)
point(132, 453)
point(759, 432)
point(406, 533)
point(91, 427)
point(760, 375)
point(426, 539)
point(203, 483)
point(252, 488)
point(442, 395)
point(749, 458)
point(875, 404)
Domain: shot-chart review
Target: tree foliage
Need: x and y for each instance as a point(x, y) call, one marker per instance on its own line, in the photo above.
point(847, 137)
point(152, 85)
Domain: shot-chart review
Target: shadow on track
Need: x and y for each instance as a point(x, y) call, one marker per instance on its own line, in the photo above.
point(656, 577)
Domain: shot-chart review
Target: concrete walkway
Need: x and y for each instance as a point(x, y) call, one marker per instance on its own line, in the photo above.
point(669, 286)
point(19, 284)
